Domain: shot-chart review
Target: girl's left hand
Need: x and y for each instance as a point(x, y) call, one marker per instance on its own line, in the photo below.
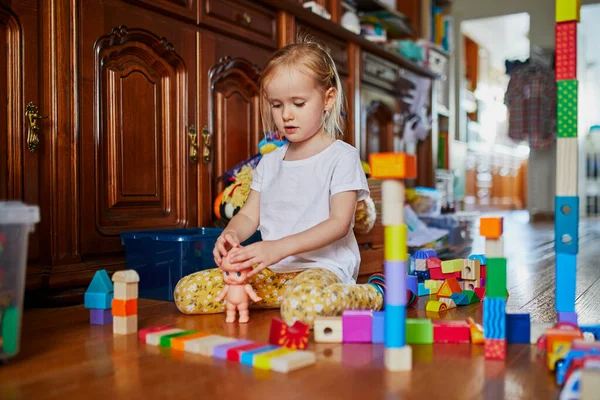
point(263, 254)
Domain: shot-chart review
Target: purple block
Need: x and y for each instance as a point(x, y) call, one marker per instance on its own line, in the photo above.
point(395, 282)
point(221, 350)
point(357, 326)
point(482, 282)
point(412, 284)
point(566, 316)
point(100, 317)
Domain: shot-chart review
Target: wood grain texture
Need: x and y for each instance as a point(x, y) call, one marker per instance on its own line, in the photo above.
point(88, 359)
point(567, 154)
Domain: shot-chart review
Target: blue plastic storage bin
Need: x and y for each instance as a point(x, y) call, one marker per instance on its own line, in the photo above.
point(163, 257)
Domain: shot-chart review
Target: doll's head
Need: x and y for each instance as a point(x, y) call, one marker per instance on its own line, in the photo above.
point(230, 275)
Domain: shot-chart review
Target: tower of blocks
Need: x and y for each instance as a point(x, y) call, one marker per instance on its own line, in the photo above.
point(393, 168)
point(566, 202)
point(125, 302)
point(98, 298)
point(494, 305)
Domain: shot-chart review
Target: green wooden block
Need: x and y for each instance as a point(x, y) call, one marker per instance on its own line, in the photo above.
point(566, 113)
point(165, 341)
point(10, 331)
point(471, 296)
point(419, 331)
point(495, 280)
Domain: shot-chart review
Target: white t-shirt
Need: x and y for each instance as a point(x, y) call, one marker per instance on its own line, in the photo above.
point(296, 195)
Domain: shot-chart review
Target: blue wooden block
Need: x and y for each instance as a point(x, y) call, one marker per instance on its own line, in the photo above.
point(570, 317)
point(412, 283)
point(422, 290)
point(101, 283)
point(100, 301)
point(247, 357)
point(424, 254)
point(594, 329)
point(480, 257)
point(494, 318)
point(378, 327)
point(566, 226)
point(566, 274)
point(518, 328)
point(395, 326)
point(460, 299)
point(422, 275)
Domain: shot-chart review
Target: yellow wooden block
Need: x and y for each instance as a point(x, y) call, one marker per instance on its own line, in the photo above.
point(433, 285)
point(263, 360)
point(450, 266)
point(435, 306)
point(395, 243)
point(393, 166)
point(398, 359)
point(567, 10)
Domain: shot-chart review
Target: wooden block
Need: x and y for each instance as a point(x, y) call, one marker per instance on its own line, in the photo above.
point(293, 361)
point(567, 10)
point(328, 330)
point(263, 360)
point(496, 280)
point(448, 287)
point(433, 263)
point(395, 248)
point(124, 308)
point(494, 248)
point(125, 325)
point(451, 266)
point(491, 227)
point(435, 306)
point(205, 345)
point(590, 383)
point(392, 203)
point(471, 285)
point(448, 302)
point(419, 331)
point(127, 276)
point(153, 338)
point(494, 349)
point(421, 264)
point(566, 51)
point(393, 166)
point(567, 157)
point(566, 111)
point(179, 342)
point(357, 326)
point(471, 270)
point(293, 337)
point(167, 340)
point(451, 332)
point(398, 359)
point(126, 291)
point(145, 332)
point(433, 285)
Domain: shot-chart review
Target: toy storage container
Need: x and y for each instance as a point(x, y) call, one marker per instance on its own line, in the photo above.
point(461, 232)
point(162, 257)
point(17, 221)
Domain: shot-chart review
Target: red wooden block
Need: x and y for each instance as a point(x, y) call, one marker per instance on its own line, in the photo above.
point(482, 271)
point(144, 332)
point(480, 292)
point(434, 262)
point(494, 349)
point(451, 332)
point(566, 50)
point(294, 337)
point(235, 353)
point(436, 273)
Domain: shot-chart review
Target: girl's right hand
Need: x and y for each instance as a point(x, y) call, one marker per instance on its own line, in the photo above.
point(225, 242)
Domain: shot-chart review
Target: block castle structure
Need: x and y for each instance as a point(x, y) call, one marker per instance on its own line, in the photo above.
point(393, 168)
point(566, 203)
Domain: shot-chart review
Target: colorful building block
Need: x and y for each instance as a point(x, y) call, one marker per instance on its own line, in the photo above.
point(436, 273)
point(395, 326)
point(471, 270)
point(494, 248)
point(235, 354)
point(125, 291)
point(566, 112)
point(570, 317)
point(471, 296)
point(451, 266)
point(566, 50)
point(167, 340)
point(422, 276)
point(419, 331)
point(178, 343)
point(518, 328)
point(435, 306)
point(433, 285)
point(398, 359)
point(481, 257)
point(124, 308)
point(293, 361)
point(566, 227)
point(153, 338)
point(392, 197)
point(9, 330)
point(221, 350)
point(480, 292)
point(143, 333)
point(491, 227)
point(100, 283)
point(205, 346)
point(496, 280)
point(357, 326)
point(394, 237)
point(378, 327)
point(494, 318)
point(566, 275)
point(125, 325)
point(100, 316)
point(247, 357)
point(451, 332)
point(100, 301)
point(476, 331)
point(567, 10)
point(448, 302)
point(328, 330)
point(422, 290)
point(424, 254)
point(460, 299)
point(393, 166)
point(567, 150)
point(395, 271)
point(263, 360)
point(293, 337)
point(421, 264)
point(494, 349)
point(448, 287)
point(433, 263)
point(411, 284)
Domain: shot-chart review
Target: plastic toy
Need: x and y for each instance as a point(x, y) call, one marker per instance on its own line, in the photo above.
point(236, 292)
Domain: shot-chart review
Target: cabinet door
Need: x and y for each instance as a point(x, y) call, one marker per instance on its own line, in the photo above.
point(188, 9)
point(231, 70)
point(138, 102)
point(20, 149)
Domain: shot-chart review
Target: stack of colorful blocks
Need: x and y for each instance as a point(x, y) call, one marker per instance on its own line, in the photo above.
point(98, 298)
point(246, 352)
point(124, 304)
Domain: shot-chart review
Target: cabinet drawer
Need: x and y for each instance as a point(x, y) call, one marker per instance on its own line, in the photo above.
point(242, 18)
point(383, 73)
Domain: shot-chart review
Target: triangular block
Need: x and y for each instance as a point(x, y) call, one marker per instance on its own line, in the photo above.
point(448, 287)
point(460, 299)
point(448, 302)
point(472, 296)
point(101, 283)
point(480, 292)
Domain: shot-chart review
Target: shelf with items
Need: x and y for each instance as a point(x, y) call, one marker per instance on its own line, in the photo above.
point(396, 24)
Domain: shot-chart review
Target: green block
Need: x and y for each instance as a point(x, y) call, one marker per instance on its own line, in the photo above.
point(566, 113)
point(471, 296)
point(495, 280)
point(10, 331)
point(419, 331)
point(165, 341)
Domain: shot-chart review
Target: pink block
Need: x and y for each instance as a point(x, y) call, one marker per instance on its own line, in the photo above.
point(357, 326)
point(144, 332)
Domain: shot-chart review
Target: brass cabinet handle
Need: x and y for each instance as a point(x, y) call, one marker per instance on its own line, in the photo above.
point(193, 136)
point(32, 116)
point(246, 18)
point(206, 145)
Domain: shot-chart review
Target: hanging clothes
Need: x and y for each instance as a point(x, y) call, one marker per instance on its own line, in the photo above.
point(531, 102)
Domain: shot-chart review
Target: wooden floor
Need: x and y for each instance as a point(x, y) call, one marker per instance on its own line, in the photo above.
point(63, 357)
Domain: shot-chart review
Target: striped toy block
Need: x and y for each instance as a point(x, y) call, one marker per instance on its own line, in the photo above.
point(494, 318)
point(378, 327)
point(204, 346)
point(567, 167)
point(263, 360)
point(566, 50)
point(220, 351)
point(566, 103)
point(247, 357)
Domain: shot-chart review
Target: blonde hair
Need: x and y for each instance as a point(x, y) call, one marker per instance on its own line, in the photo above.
point(312, 56)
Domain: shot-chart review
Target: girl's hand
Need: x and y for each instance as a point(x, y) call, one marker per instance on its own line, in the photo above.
point(225, 242)
point(263, 254)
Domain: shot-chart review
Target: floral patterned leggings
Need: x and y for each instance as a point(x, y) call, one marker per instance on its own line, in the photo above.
point(301, 295)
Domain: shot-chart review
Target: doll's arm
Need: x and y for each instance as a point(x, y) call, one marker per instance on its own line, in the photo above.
point(222, 295)
point(252, 293)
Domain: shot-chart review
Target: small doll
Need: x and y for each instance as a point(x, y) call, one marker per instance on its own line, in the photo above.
point(236, 292)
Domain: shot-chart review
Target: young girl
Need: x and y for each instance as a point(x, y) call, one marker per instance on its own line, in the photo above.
point(303, 198)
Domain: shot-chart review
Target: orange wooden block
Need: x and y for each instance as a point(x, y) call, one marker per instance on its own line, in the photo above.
point(393, 166)
point(566, 51)
point(449, 287)
point(124, 308)
point(491, 227)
